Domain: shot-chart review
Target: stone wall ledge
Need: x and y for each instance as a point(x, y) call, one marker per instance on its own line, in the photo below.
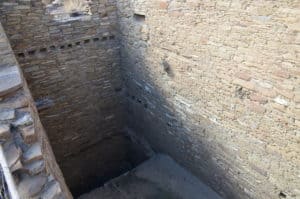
point(26, 147)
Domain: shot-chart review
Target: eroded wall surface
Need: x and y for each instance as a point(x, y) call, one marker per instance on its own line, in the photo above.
point(72, 69)
point(26, 147)
point(215, 84)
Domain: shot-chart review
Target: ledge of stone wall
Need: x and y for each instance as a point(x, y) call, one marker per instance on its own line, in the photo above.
point(26, 146)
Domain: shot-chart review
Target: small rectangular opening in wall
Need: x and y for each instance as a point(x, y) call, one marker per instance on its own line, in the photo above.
point(43, 50)
point(31, 52)
point(139, 17)
point(52, 47)
point(22, 55)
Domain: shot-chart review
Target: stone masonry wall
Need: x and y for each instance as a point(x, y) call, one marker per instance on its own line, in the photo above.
point(26, 146)
point(216, 85)
point(72, 69)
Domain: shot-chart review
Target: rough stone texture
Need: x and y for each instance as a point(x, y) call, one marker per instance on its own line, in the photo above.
point(52, 192)
point(4, 132)
point(12, 155)
point(7, 114)
point(31, 186)
point(10, 79)
point(28, 134)
point(35, 167)
point(215, 84)
point(17, 115)
point(33, 153)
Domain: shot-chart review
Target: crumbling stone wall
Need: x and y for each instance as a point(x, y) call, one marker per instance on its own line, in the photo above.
point(72, 69)
point(26, 146)
point(215, 84)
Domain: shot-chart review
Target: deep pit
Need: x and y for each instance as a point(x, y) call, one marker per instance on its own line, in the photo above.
point(211, 84)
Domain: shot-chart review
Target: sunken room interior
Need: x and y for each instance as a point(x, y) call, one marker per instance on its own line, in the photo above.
point(157, 99)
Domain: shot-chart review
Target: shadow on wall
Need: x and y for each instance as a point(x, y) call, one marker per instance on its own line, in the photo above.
point(164, 119)
point(167, 133)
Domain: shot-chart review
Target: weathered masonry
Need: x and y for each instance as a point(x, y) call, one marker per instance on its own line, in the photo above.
point(213, 84)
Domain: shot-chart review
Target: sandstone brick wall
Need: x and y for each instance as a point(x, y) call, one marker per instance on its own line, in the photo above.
point(216, 84)
point(72, 69)
point(26, 146)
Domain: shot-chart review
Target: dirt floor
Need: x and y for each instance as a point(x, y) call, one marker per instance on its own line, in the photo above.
point(158, 178)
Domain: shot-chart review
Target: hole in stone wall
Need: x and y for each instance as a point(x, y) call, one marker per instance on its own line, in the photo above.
point(241, 93)
point(139, 17)
point(167, 68)
point(118, 89)
point(104, 14)
point(282, 195)
point(62, 47)
point(21, 55)
point(43, 50)
point(31, 52)
point(52, 47)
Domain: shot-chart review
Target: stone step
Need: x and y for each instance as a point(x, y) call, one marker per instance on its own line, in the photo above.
point(28, 134)
point(31, 186)
point(4, 132)
point(7, 114)
point(13, 155)
point(52, 191)
point(10, 79)
point(34, 168)
point(24, 120)
point(33, 153)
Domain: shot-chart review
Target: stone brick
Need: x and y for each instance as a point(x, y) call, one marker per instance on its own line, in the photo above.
point(31, 186)
point(33, 153)
point(279, 107)
point(281, 101)
point(267, 92)
point(7, 114)
point(244, 75)
point(245, 84)
point(28, 134)
point(4, 131)
point(35, 167)
point(10, 80)
point(24, 120)
point(282, 74)
point(258, 98)
point(13, 154)
point(287, 94)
